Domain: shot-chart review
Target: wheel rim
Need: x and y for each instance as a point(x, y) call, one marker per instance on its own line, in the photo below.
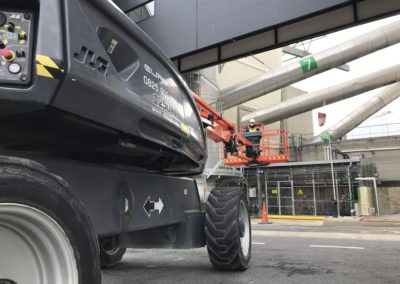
point(37, 248)
point(245, 229)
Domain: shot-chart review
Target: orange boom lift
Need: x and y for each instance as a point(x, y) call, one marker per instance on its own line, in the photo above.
point(264, 146)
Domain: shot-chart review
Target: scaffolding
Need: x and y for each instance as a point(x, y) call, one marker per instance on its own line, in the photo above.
point(306, 188)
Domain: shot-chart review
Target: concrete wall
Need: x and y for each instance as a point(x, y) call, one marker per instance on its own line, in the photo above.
point(299, 124)
point(207, 88)
point(244, 69)
point(389, 199)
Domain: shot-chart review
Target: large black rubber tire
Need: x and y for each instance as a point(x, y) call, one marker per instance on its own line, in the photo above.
point(109, 254)
point(223, 229)
point(28, 183)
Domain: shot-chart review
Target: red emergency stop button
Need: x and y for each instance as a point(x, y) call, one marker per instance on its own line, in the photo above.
point(7, 55)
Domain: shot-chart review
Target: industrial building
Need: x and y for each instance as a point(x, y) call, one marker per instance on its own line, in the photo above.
point(351, 159)
point(258, 85)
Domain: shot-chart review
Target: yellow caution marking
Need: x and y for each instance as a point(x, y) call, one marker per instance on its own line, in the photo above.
point(42, 71)
point(47, 67)
point(46, 61)
point(299, 217)
point(2, 31)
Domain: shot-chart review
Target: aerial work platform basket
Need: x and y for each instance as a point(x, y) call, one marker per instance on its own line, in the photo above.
point(267, 146)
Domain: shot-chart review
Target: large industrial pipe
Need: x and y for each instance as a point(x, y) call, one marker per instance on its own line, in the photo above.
point(311, 65)
point(329, 95)
point(362, 112)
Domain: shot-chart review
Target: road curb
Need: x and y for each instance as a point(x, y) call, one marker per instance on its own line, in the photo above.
point(296, 217)
point(359, 222)
point(327, 235)
point(291, 217)
point(329, 221)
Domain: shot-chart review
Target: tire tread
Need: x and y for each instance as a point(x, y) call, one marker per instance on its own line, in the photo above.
point(222, 229)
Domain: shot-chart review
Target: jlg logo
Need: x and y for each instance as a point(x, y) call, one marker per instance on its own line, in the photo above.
point(89, 58)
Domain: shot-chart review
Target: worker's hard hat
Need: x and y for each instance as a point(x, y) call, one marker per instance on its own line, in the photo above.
point(252, 120)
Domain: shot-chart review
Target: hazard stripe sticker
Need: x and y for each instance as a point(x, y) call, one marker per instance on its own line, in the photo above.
point(48, 67)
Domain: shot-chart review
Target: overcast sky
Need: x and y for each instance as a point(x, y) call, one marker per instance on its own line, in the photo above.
point(365, 65)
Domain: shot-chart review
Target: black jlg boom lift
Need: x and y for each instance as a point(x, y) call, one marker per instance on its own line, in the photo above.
point(100, 141)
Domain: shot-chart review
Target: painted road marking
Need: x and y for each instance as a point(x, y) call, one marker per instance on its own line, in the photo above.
point(338, 247)
point(327, 235)
point(256, 243)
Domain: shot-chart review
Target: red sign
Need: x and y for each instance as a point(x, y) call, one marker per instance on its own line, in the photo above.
point(321, 118)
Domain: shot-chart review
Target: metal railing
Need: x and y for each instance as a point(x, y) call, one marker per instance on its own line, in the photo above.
point(377, 130)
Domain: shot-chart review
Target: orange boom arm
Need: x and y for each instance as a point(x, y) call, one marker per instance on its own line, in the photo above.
point(236, 146)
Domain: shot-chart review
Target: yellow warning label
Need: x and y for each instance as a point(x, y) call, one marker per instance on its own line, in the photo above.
point(47, 67)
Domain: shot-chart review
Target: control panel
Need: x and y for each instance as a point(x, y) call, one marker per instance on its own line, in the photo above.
point(15, 47)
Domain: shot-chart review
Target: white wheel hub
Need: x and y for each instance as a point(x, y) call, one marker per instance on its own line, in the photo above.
point(245, 229)
point(34, 249)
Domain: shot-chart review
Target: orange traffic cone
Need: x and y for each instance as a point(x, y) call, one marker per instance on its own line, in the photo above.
point(264, 215)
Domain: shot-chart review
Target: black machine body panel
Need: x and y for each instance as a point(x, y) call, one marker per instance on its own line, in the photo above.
point(99, 90)
point(143, 209)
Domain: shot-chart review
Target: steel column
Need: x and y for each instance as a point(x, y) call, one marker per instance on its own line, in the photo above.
point(292, 190)
point(314, 197)
point(279, 198)
point(266, 190)
point(259, 193)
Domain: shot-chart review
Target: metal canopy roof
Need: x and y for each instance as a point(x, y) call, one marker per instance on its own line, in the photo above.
point(200, 33)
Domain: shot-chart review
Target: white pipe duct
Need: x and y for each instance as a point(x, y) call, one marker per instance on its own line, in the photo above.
point(362, 112)
point(311, 65)
point(329, 95)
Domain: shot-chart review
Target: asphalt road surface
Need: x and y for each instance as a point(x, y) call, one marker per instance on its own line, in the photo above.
point(280, 254)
